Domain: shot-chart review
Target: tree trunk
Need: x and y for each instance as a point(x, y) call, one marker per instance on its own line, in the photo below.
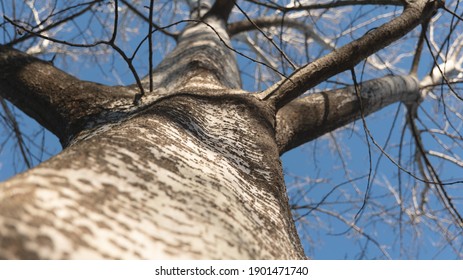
point(193, 172)
point(189, 177)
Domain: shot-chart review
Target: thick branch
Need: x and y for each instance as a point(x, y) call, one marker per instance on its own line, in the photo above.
point(58, 101)
point(329, 5)
point(222, 9)
point(308, 118)
point(349, 55)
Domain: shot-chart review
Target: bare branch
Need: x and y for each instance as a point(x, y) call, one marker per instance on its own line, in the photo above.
point(222, 9)
point(277, 21)
point(53, 25)
point(305, 119)
point(451, 159)
point(111, 42)
point(442, 193)
point(419, 48)
point(17, 133)
point(282, 53)
point(56, 100)
point(333, 4)
point(349, 55)
point(147, 19)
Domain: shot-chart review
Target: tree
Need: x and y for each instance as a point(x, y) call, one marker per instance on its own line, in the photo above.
point(185, 163)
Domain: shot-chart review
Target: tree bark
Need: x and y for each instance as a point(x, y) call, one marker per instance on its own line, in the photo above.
point(308, 118)
point(60, 102)
point(190, 177)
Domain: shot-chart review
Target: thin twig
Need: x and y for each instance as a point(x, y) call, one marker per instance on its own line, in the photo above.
point(47, 28)
point(283, 54)
point(157, 27)
point(443, 195)
point(17, 132)
point(111, 42)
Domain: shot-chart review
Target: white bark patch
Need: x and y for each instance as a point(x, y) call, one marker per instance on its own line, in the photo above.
point(387, 90)
point(381, 92)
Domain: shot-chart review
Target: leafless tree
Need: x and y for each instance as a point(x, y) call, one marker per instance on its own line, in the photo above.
point(185, 161)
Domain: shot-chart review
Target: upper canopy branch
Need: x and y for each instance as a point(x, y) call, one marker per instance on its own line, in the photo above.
point(277, 21)
point(328, 5)
point(222, 9)
point(349, 55)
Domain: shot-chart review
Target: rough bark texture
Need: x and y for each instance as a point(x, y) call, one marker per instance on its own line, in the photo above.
point(190, 177)
point(55, 99)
